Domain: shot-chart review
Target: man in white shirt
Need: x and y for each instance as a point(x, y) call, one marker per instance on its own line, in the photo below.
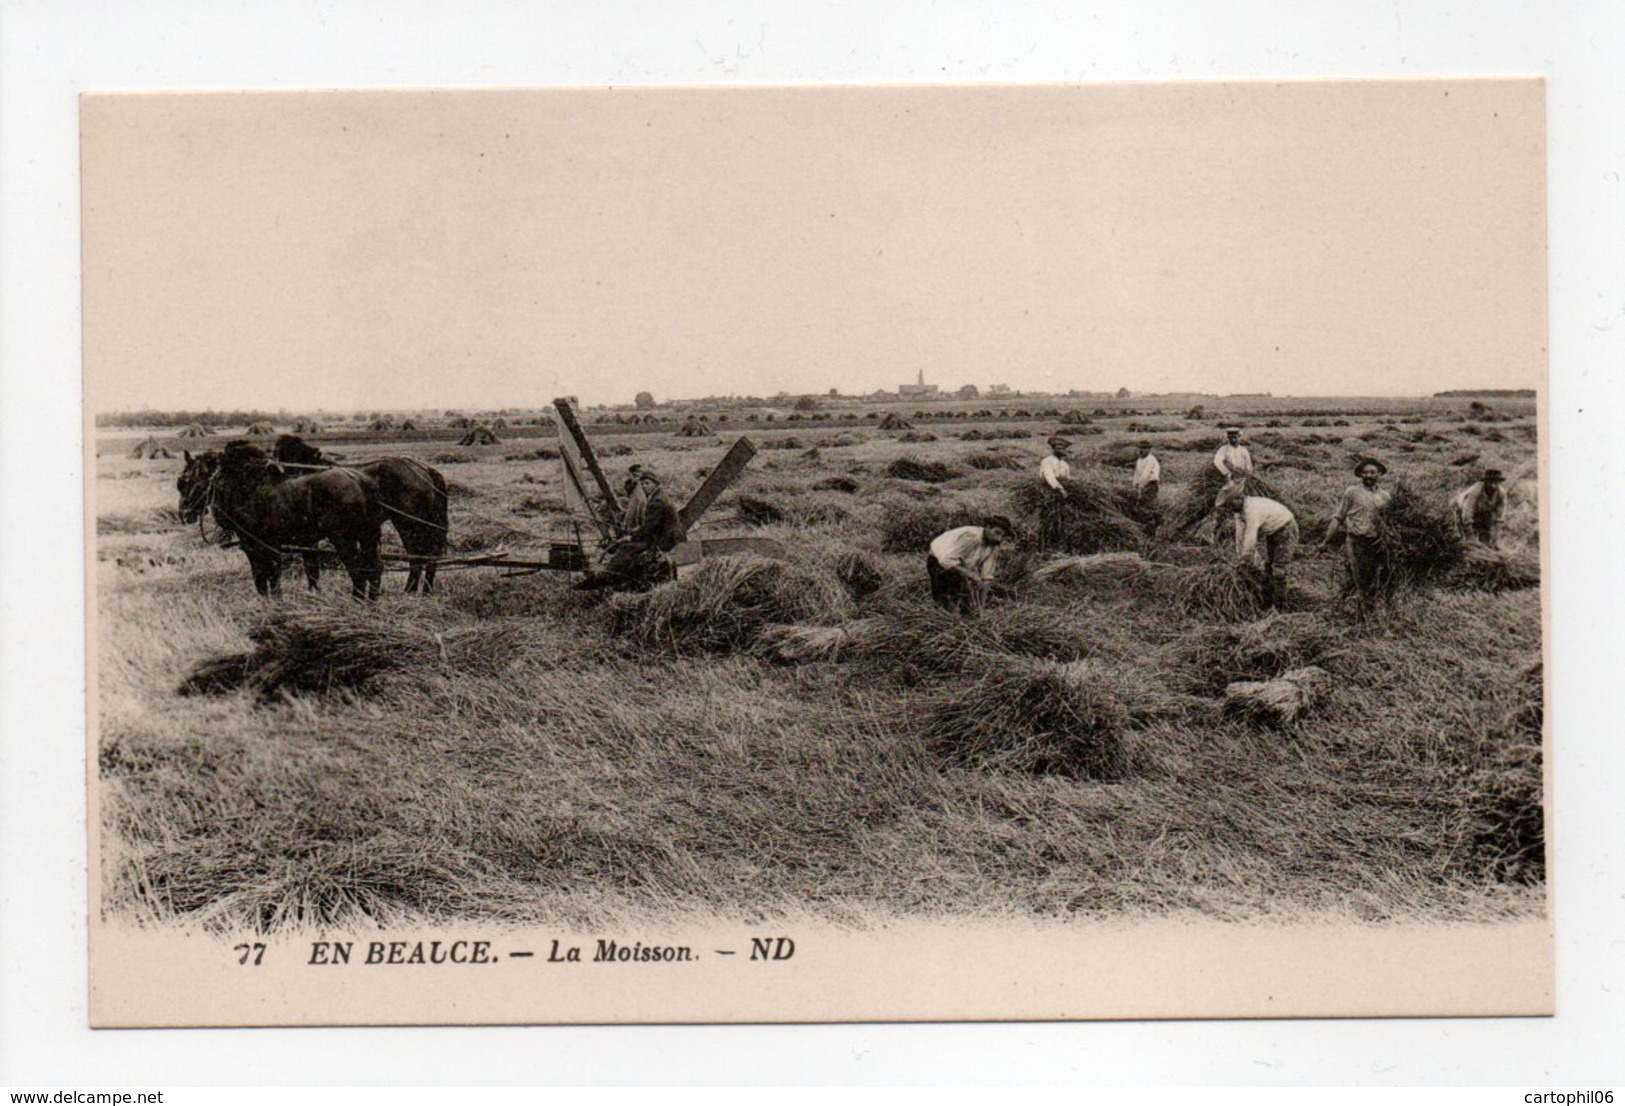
point(1479, 509)
point(1232, 459)
point(1054, 468)
point(1147, 476)
point(962, 563)
point(1266, 532)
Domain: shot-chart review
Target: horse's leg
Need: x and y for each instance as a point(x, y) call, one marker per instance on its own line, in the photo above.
point(262, 578)
point(313, 570)
point(350, 556)
point(371, 566)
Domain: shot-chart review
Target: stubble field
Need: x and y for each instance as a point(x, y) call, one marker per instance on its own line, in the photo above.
point(812, 737)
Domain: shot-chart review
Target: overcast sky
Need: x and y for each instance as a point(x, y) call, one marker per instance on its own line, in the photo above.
point(467, 249)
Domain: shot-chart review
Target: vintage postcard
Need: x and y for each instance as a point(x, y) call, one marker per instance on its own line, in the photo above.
point(662, 555)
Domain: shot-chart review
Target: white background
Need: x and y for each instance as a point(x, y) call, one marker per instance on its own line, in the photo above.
point(51, 52)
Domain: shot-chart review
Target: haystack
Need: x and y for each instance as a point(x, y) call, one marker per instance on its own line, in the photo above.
point(259, 429)
point(917, 436)
point(306, 426)
point(148, 449)
point(381, 423)
point(195, 430)
point(408, 424)
point(1075, 418)
point(894, 421)
point(1029, 716)
point(1088, 519)
point(480, 435)
point(694, 428)
point(1278, 702)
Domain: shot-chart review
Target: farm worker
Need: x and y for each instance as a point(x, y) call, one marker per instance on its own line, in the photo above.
point(962, 562)
point(1147, 475)
point(1479, 507)
point(1232, 459)
point(637, 500)
point(1359, 516)
point(1261, 518)
point(1054, 468)
point(640, 561)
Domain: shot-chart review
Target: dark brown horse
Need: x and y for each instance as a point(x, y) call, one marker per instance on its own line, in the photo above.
point(412, 494)
point(272, 514)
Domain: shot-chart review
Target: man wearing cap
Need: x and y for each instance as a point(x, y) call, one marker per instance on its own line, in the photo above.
point(1479, 507)
point(640, 560)
point(1359, 516)
point(1266, 532)
point(962, 562)
point(1232, 460)
point(1147, 476)
point(1054, 468)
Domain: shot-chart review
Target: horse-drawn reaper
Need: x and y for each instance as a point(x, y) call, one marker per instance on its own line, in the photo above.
point(283, 506)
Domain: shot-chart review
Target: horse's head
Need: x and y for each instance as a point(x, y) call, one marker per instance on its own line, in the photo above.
point(196, 478)
point(292, 449)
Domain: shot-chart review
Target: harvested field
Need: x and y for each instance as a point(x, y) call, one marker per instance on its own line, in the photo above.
point(814, 735)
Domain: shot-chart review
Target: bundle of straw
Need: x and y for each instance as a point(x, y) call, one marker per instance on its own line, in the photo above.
point(1486, 569)
point(321, 650)
point(911, 527)
point(986, 460)
point(790, 644)
point(1278, 702)
point(1212, 658)
point(914, 644)
point(1093, 569)
point(1197, 504)
point(725, 602)
point(1029, 716)
point(1088, 519)
point(1221, 590)
point(1420, 545)
point(912, 468)
point(758, 512)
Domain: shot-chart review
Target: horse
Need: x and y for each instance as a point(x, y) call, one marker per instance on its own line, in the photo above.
point(195, 482)
point(270, 512)
point(412, 494)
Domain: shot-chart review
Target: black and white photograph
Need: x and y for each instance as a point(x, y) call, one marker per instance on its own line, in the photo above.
point(817, 554)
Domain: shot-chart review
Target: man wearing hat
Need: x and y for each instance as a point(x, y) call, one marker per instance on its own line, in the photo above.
point(962, 562)
point(640, 561)
point(1232, 460)
point(1479, 507)
point(1359, 517)
point(1266, 531)
point(1054, 468)
point(1147, 476)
